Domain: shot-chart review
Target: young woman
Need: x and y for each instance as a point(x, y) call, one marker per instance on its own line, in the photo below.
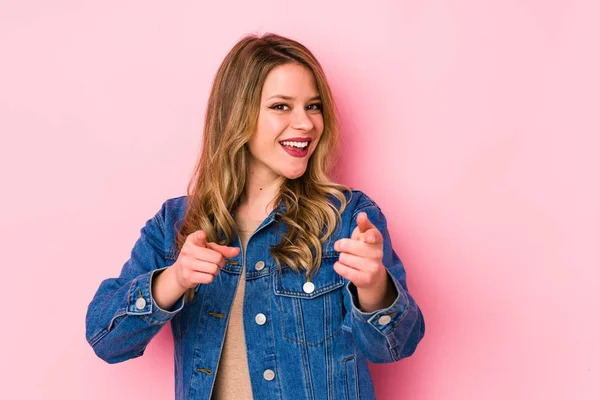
point(278, 283)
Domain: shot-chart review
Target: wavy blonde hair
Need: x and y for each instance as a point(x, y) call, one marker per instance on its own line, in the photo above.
point(220, 174)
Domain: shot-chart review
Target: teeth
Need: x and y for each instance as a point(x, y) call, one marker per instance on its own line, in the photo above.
point(295, 144)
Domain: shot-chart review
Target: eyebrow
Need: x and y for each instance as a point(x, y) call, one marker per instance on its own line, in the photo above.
point(284, 97)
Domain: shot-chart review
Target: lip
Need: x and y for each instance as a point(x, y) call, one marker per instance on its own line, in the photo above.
point(296, 153)
point(297, 139)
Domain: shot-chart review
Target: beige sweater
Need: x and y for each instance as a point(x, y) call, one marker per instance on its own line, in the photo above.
point(233, 377)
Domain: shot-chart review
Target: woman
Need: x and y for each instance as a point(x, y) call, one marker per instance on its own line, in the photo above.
point(278, 283)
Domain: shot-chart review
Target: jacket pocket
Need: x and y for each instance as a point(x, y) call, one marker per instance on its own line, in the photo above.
point(351, 383)
point(310, 313)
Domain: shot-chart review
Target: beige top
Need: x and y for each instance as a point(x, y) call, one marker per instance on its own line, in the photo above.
point(233, 377)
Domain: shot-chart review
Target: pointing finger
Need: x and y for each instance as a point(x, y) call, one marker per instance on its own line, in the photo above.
point(363, 222)
point(226, 251)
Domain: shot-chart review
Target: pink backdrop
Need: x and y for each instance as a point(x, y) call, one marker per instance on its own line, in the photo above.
point(474, 124)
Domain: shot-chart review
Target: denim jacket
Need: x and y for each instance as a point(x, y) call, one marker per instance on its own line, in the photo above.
point(315, 342)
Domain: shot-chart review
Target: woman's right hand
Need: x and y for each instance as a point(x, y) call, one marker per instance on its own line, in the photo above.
point(199, 261)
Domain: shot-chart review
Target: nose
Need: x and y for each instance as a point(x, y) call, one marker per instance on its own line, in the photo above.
point(301, 120)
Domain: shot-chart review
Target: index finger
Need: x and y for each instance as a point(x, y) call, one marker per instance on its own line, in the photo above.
point(226, 251)
point(364, 224)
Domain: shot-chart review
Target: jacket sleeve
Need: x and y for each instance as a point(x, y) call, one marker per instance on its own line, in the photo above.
point(392, 333)
point(123, 317)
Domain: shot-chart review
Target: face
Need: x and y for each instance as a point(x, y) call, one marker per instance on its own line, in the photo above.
point(290, 123)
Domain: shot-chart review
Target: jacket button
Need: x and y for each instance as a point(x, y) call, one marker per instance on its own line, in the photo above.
point(260, 318)
point(384, 320)
point(308, 287)
point(259, 265)
point(269, 375)
point(140, 303)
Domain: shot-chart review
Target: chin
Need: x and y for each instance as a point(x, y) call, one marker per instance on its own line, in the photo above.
point(293, 174)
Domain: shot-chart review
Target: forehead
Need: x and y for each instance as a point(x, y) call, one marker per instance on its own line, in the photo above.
point(290, 80)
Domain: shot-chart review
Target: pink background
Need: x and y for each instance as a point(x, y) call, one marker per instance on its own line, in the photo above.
point(474, 124)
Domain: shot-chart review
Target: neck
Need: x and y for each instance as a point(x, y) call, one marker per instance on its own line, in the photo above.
point(259, 193)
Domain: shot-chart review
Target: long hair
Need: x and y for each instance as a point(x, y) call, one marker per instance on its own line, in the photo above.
point(220, 174)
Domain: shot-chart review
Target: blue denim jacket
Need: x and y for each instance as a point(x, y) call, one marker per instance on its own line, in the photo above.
point(314, 344)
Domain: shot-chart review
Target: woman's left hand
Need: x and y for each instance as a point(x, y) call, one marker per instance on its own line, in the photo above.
point(361, 263)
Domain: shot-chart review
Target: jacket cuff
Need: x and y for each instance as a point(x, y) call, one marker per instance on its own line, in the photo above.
point(141, 302)
point(383, 320)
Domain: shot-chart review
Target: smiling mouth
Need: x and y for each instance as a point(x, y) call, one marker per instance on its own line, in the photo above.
point(296, 147)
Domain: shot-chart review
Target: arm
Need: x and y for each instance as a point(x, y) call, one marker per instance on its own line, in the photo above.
point(123, 315)
point(391, 333)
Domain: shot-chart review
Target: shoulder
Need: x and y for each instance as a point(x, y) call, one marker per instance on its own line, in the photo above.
point(357, 201)
point(175, 204)
point(172, 210)
point(164, 224)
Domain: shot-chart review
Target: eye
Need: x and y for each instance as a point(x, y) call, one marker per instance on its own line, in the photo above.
point(315, 107)
point(279, 107)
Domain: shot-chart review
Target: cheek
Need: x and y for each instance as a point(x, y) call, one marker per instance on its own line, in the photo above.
point(263, 136)
point(271, 125)
point(318, 123)
point(319, 126)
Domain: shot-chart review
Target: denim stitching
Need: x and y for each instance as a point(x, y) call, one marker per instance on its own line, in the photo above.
point(346, 360)
point(363, 207)
point(273, 337)
point(160, 223)
point(192, 390)
point(305, 361)
point(312, 344)
point(356, 379)
point(322, 290)
point(183, 331)
point(346, 377)
point(93, 315)
point(153, 320)
point(111, 324)
point(98, 336)
point(328, 351)
point(283, 323)
point(393, 350)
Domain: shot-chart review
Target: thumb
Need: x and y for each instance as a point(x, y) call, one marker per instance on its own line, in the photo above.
point(226, 251)
point(199, 238)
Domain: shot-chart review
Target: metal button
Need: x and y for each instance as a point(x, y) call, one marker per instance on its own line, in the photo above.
point(140, 303)
point(259, 265)
point(384, 320)
point(260, 318)
point(308, 287)
point(269, 375)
